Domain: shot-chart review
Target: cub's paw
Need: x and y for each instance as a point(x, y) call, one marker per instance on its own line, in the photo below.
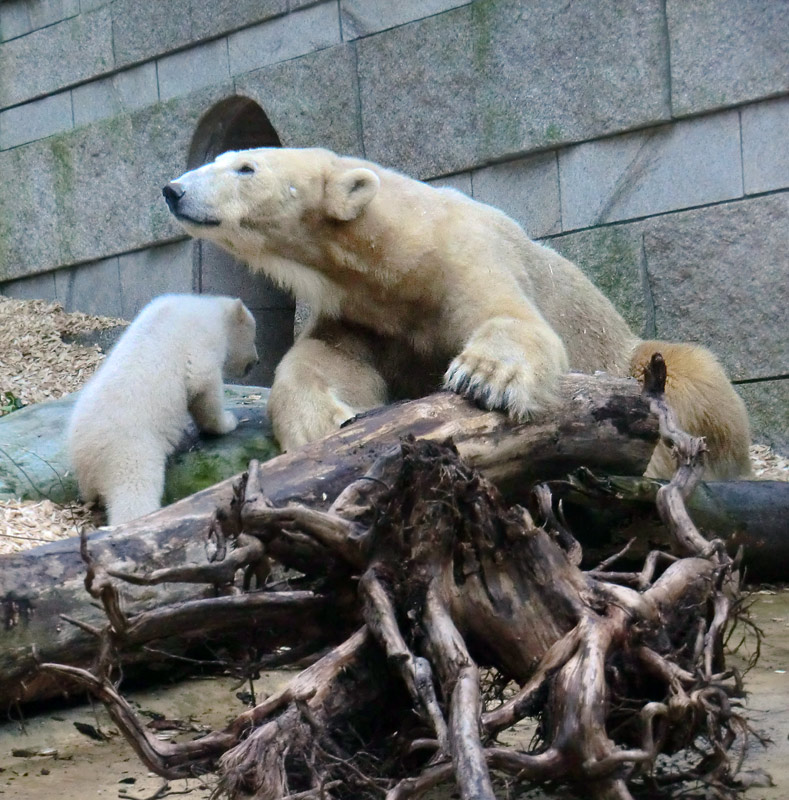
point(226, 423)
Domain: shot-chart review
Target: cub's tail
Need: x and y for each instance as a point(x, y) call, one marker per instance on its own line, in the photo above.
point(702, 397)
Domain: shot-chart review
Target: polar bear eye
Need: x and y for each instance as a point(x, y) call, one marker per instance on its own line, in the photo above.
point(246, 169)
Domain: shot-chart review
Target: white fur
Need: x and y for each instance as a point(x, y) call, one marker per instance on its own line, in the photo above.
point(166, 368)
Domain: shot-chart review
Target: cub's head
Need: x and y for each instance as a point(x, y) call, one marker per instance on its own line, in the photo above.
point(250, 201)
point(242, 354)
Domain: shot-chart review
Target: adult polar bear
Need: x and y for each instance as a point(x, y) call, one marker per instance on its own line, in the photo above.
point(408, 282)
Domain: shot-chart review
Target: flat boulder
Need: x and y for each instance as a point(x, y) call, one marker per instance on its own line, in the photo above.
point(34, 463)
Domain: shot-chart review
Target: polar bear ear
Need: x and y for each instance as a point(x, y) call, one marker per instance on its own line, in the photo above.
point(348, 192)
point(238, 311)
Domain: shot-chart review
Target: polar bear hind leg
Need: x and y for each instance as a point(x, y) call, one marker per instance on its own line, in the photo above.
point(322, 381)
point(134, 484)
point(705, 403)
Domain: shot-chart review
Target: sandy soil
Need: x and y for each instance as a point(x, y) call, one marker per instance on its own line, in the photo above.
point(72, 766)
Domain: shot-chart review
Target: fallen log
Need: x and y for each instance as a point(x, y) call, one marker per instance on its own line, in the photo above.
point(626, 673)
point(612, 511)
point(601, 422)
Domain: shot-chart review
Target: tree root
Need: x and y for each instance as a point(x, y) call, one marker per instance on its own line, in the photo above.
point(445, 581)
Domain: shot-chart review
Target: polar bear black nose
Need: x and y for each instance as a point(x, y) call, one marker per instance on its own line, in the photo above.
point(173, 192)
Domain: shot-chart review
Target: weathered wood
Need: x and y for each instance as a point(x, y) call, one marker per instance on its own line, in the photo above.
point(600, 422)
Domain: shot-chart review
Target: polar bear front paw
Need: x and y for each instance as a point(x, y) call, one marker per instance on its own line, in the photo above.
point(229, 422)
point(510, 366)
point(493, 384)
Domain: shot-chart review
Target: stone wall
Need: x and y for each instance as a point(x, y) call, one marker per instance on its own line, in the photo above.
point(645, 139)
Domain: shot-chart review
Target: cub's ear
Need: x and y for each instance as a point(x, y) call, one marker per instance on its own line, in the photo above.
point(239, 310)
point(348, 192)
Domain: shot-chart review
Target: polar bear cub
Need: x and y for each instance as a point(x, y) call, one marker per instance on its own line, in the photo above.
point(167, 367)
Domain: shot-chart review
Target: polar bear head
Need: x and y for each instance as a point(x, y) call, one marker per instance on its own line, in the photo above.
point(262, 200)
point(241, 354)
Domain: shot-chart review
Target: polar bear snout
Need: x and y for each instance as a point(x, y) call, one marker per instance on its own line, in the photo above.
point(186, 206)
point(173, 193)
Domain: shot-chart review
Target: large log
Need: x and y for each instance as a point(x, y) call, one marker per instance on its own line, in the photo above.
point(609, 512)
point(600, 422)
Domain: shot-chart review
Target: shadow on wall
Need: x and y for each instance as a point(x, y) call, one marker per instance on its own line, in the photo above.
point(238, 123)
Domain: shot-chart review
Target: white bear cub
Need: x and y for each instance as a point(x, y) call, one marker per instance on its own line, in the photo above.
point(166, 367)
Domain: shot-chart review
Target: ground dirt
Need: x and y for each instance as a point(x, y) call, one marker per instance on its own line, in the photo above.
point(54, 760)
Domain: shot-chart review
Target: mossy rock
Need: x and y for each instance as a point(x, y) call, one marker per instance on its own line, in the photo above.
point(34, 463)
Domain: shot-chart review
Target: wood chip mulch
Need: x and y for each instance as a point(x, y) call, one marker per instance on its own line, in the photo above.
point(35, 363)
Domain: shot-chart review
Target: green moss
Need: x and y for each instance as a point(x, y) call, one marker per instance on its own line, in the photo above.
point(553, 133)
point(195, 470)
point(64, 174)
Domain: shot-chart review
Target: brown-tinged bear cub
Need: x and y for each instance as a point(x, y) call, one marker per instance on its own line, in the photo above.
point(413, 286)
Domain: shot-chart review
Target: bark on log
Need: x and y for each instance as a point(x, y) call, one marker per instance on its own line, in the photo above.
point(600, 422)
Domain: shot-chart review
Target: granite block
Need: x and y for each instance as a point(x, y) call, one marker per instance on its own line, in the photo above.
point(185, 72)
point(502, 78)
point(125, 91)
point(311, 101)
point(613, 259)
point(94, 288)
point(765, 145)
point(23, 16)
point(527, 189)
point(142, 29)
point(460, 181)
point(688, 163)
point(768, 408)
point(284, 38)
point(220, 16)
point(725, 52)
point(363, 17)
point(146, 274)
point(718, 276)
point(30, 215)
point(35, 120)
point(36, 287)
point(54, 57)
